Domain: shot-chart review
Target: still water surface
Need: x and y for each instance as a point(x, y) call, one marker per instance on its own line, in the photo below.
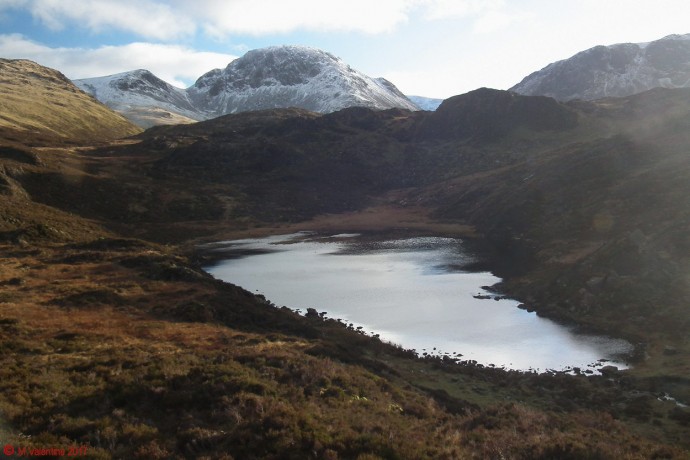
point(413, 292)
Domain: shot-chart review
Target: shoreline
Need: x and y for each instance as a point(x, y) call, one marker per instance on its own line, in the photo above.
point(380, 218)
point(211, 254)
point(393, 219)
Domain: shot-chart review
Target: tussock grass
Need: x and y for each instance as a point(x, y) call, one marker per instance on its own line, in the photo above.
point(120, 368)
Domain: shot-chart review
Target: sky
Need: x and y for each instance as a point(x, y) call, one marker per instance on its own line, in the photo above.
point(432, 48)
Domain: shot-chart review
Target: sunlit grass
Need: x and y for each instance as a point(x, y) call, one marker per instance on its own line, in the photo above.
point(37, 99)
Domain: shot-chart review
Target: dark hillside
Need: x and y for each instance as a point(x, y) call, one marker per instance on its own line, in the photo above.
point(603, 224)
point(487, 115)
point(126, 346)
point(291, 165)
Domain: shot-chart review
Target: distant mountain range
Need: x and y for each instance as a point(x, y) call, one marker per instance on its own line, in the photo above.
point(580, 207)
point(614, 71)
point(267, 78)
point(315, 80)
point(143, 98)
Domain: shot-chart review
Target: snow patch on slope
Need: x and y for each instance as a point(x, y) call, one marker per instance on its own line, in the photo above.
point(138, 89)
point(268, 78)
point(292, 76)
point(614, 71)
point(426, 103)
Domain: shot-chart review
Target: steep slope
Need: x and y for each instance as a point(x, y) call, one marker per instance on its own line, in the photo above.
point(614, 71)
point(594, 229)
point(292, 76)
point(564, 193)
point(151, 358)
point(487, 115)
point(39, 105)
point(143, 98)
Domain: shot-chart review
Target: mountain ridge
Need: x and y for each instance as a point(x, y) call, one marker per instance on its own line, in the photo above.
point(266, 78)
point(134, 91)
point(613, 71)
point(151, 358)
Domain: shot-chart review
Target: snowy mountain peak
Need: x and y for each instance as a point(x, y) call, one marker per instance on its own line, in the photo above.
point(281, 65)
point(292, 76)
point(131, 92)
point(614, 71)
point(267, 78)
point(677, 37)
point(140, 78)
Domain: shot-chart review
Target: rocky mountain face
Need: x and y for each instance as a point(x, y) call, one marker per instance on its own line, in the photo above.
point(614, 71)
point(486, 115)
point(292, 76)
point(140, 92)
point(41, 104)
point(274, 77)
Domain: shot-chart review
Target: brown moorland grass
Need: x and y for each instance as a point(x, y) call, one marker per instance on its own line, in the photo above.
point(128, 348)
point(41, 102)
point(96, 352)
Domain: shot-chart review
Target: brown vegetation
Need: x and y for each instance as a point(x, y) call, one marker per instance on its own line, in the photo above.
point(126, 347)
point(119, 346)
point(41, 106)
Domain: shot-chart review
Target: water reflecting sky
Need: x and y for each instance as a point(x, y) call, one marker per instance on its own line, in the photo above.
point(411, 292)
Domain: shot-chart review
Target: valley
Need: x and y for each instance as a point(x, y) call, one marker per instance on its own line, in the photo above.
point(115, 339)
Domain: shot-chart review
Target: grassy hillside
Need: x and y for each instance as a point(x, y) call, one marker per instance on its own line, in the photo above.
point(597, 229)
point(583, 205)
point(39, 105)
point(124, 346)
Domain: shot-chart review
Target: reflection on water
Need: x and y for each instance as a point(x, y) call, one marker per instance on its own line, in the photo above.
point(412, 292)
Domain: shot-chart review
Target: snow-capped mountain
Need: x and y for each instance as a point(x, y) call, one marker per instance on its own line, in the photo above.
point(267, 78)
point(292, 76)
point(426, 103)
point(140, 92)
point(616, 70)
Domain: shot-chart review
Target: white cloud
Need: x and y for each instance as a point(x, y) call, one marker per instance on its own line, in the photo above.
point(175, 64)
point(11, 4)
point(260, 17)
point(486, 15)
point(171, 19)
point(168, 20)
point(444, 9)
point(220, 18)
point(146, 18)
point(427, 83)
point(496, 20)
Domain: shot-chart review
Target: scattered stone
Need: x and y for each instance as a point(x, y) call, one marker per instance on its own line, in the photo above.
point(481, 296)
